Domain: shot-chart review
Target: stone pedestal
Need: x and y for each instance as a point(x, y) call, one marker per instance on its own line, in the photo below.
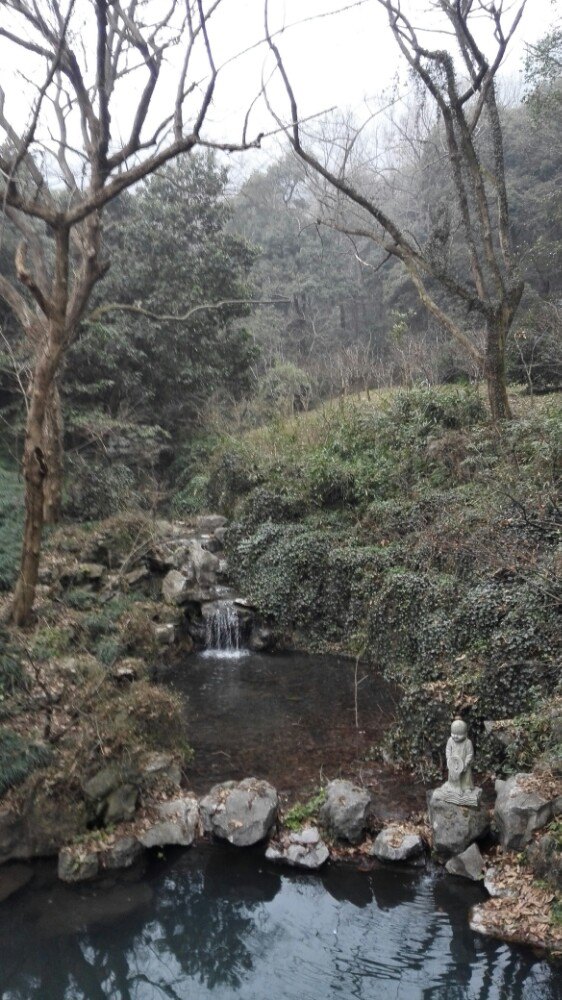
point(456, 821)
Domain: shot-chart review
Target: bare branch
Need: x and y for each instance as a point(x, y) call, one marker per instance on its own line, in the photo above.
point(113, 307)
point(45, 305)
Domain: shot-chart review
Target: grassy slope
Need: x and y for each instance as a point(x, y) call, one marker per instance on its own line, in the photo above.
point(405, 528)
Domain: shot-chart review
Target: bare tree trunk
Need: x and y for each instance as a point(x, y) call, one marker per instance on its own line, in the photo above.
point(36, 471)
point(53, 451)
point(494, 368)
point(35, 465)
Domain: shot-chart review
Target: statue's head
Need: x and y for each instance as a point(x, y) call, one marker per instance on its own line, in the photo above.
point(459, 730)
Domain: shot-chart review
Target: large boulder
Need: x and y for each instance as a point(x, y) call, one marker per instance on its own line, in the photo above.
point(159, 770)
point(210, 522)
point(176, 587)
point(11, 835)
point(201, 565)
point(300, 850)
point(85, 861)
point(175, 822)
point(455, 827)
point(83, 574)
point(122, 853)
point(469, 864)
point(521, 808)
point(242, 812)
point(164, 634)
point(396, 844)
point(494, 886)
point(121, 804)
point(52, 817)
point(112, 794)
point(345, 811)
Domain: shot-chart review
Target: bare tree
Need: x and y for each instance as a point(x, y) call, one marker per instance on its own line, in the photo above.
point(96, 60)
point(461, 85)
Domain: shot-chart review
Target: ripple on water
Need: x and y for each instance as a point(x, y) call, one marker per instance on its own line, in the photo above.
point(222, 924)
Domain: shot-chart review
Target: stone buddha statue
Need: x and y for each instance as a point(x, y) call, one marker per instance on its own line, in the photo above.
point(459, 787)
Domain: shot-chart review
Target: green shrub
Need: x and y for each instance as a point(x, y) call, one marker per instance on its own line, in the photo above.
point(80, 599)
point(409, 622)
point(271, 505)
point(11, 673)
point(18, 758)
point(51, 641)
point(192, 499)
point(285, 389)
point(102, 633)
point(421, 729)
point(232, 474)
point(11, 526)
point(426, 409)
point(96, 490)
point(300, 812)
point(144, 716)
point(107, 650)
point(414, 531)
point(296, 575)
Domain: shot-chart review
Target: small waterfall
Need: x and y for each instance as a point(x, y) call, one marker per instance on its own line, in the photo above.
point(222, 636)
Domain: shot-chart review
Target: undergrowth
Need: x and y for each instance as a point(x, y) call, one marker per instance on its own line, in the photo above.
point(18, 758)
point(300, 812)
point(11, 523)
point(414, 530)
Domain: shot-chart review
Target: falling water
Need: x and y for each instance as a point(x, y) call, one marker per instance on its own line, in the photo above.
point(222, 636)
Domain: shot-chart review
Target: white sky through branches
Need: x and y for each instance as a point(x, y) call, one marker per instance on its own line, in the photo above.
point(339, 60)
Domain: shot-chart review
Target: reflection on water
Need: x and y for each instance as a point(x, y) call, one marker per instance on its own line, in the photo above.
point(221, 923)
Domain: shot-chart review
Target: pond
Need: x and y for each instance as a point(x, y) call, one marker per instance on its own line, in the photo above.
point(221, 923)
point(292, 719)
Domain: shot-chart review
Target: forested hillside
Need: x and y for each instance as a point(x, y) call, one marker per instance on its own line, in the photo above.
point(144, 395)
point(280, 469)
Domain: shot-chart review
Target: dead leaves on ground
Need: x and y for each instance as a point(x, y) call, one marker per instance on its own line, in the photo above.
point(525, 914)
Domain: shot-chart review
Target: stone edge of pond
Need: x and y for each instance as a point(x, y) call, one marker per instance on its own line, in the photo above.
point(247, 813)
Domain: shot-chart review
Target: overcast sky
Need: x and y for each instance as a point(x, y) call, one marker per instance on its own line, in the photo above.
point(343, 58)
point(340, 59)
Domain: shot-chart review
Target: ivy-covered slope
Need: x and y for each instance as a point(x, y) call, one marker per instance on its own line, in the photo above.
point(408, 530)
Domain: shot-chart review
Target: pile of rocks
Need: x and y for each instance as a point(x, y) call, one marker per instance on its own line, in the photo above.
point(243, 813)
point(179, 565)
point(192, 558)
point(523, 805)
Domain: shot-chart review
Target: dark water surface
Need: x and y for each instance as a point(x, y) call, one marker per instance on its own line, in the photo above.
point(290, 719)
point(222, 923)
